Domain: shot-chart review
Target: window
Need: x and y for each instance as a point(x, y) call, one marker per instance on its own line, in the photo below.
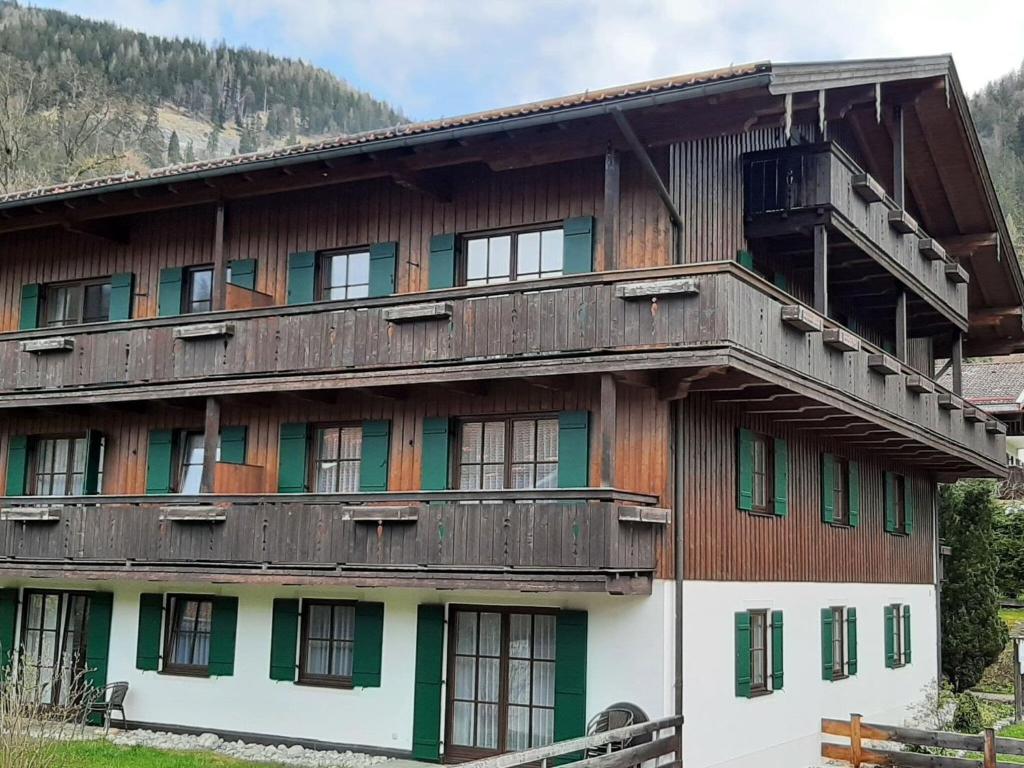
point(501, 697)
point(838, 642)
point(897, 635)
point(187, 649)
point(191, 453)
point(345, 275)
point(53, 637)
point(328, 643)
point(86, 301)
point(900, 502)
point(763, 473)
point(58, 465)
point(198, 293)
point(502, 257)
point(840, 491)
point(338, 453)
point(759, 651)
point(508, 453)
point(838, 646)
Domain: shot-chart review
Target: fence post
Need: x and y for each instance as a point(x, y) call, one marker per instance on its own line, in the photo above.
point(990, 748)
point(855, 740)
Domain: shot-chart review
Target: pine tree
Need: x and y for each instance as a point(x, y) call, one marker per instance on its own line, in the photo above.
point(173, 149)
point(213, 142)
point(190, 152)
point(151, 141)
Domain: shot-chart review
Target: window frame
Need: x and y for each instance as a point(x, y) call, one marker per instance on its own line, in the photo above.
point(462, 254)
point(171, 603)
point(79, 286)
point(33, 460)
point(899, 650)
point(455, 460)
point(900, 502)
point(64, 598)
point(321, 272)
point(313, 451)
point(180, 453)
point(840, 661)
point(322, 681)
point(764, 688)
point(767, 443)
point(187, 283)
point(841, 491)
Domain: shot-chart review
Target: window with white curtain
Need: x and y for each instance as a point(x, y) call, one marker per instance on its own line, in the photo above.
point(328, 641)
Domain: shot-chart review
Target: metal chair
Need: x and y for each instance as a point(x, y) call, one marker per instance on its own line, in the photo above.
point(110, 698)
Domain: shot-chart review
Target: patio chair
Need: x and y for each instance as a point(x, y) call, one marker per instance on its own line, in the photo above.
point(109, 699)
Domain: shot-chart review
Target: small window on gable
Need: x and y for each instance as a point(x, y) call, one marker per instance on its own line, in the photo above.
point(502, 257)
point(344, 275)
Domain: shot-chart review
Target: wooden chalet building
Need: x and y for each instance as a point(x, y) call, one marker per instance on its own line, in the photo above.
point(437, 441)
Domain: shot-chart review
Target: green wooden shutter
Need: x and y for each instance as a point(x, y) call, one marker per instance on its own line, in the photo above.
point(147, 648)
point(578, 248)
point(780, 280)
point(31, 300)
point(426, 707)
point(743, 654)
point(778, 654)
point(301, 277)
point(434, 461)
point(908, 504)
point(169, 295)
point(573, 449)
point(93, 454)
point(889, 626)
point(159, 461)
point(368, 645)
point(745, 469)
point(827, 630)
point(122, 294)
point(284, 632)
point(442, 261)
point(373, 464)
point(828, 496)
point(780, 459)
point(97, 638)
point(223, 628)
point(243, 273)
point(291, 460)
point(233, 444)
point(890, 502)
point(851, 641)
point(8, 620)
point(383, 257)
point(570, 675)
point(906, 634)
point(745, 258)
point(17, 465)
point(853, 493)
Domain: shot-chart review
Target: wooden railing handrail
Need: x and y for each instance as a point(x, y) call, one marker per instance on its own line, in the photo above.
point(583, 743)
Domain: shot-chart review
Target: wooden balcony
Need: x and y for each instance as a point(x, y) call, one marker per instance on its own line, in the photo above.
point(577, 539)
point(788, 190)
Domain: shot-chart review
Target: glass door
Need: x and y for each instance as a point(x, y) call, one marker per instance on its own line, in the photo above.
point(53, 644)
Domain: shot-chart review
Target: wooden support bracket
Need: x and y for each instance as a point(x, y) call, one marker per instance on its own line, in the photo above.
point(957, 274)
point(841, 339)
point(52, 344)
point(380, 514)
point(973, 415)
point(651, 288)
point(920, 384)
point(902, 222)
point(867, 189)
point(950, 402)
point(655, 515)
point(887, 365)
point(931, 249)
point(202, 331)
point(30, 515)
point(995, 427)
point(800, 318)
point(437, 310)
point(193, 514)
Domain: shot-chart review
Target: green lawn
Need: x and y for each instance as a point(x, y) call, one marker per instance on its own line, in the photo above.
point(998, 678)
point(103, 754)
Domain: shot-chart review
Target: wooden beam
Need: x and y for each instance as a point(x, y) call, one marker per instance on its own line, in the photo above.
point(821, 269)
point(220, 289)
point(211, 441)
point(898, 160)
point(959, 246)
point(901, 326)
point(611, 208)
point(608, 421)
point(957, 359)
point(994, 316)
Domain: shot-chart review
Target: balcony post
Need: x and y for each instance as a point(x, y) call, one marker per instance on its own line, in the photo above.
point(901, 326)
point(609, 397)
point(220, 288)
point(957, 359)
point(898, 176)
point(611, 208)
point(821, 269)
point(211, 441)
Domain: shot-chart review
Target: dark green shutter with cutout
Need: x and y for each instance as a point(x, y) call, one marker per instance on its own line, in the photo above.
point(889, 626)
point(578, 248)
point(97, 638)
point(853, 493)
point(169, 294)
point(908, 505)
point(570, 675)
point(780, 459)
point(742, 624)
point(8, 620)
point(827, 648)
point(301, 277)
point(851, 641)
point(906, 634)
point(368, 645)
point(778, 654)
point(373, 464)
point(828, 496)
point(745, 469)
point(745, 259)
point(434, 461)
point(890, 502)
point(93, 455)
point(147, 648)
point(291, 458)
point(159, 460)
point(442, 261)
point(31, 301)
point(223, 629)
point(243, 273)
point(426, 706)
point(383, 257)
point(573, 449)
point(233, 442)
point(284, 632)
point(17, 465)
point(122, 295)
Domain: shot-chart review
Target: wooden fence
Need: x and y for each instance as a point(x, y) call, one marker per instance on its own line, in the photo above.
point(887, 742)
point(617, 748)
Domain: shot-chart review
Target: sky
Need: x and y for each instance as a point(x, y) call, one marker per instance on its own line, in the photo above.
point(435, 58)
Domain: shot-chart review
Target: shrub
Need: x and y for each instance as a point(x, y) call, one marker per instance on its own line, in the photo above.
point(967, 716)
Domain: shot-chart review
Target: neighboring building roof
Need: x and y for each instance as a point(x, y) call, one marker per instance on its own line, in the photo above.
point(994, 384)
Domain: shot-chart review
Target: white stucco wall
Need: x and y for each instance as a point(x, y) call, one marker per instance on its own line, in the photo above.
point(782, 729)
point(629, 658)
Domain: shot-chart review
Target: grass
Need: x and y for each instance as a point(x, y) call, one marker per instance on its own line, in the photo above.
point(998, 678)
point(103, 754)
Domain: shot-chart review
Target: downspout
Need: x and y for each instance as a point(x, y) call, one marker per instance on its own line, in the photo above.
point(677, 532)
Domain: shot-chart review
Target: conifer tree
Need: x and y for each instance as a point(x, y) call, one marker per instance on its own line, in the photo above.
point(173, 149)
